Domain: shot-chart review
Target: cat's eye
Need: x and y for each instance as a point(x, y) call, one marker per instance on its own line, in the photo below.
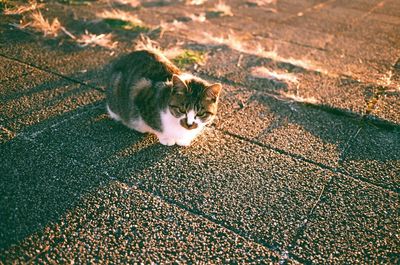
point(178, 109)
point(202, 114)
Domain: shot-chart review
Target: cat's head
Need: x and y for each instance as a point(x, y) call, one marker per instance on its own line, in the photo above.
point(193, 101)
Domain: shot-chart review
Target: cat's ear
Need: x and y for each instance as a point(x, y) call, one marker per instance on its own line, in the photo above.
point(213, 91)
point(179, 85)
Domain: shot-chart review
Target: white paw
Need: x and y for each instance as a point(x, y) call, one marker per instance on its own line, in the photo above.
point(167, 141)
point(183, 142)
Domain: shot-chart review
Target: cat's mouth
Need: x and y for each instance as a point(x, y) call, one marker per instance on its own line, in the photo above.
point(185, 125)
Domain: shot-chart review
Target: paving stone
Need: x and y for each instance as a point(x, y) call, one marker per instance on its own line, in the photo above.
point(264, 196)
point(374, 156)
point(353, 223)
point(140, 228)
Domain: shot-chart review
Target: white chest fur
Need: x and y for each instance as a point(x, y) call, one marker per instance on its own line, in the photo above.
point(174, 133)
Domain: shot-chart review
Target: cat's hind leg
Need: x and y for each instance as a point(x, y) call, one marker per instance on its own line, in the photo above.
point(112, 114)
point(139, 125)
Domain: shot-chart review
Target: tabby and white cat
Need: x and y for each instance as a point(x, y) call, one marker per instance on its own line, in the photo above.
point(148, 93)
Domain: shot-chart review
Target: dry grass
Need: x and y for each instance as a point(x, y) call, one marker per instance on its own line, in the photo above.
point(33, 5)
point(222, 9)
point(120, 15)
point(132, 3)
point(297, 98)
point(198, 18)
point(181, 57)
point(39, 23)
point(145, 43)
point(195, 2)
point(263, 72)
point(171, 26)
point(103, 40)
point(261, 2)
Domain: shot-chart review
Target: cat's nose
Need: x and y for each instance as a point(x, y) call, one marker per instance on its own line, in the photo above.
point(185, 124)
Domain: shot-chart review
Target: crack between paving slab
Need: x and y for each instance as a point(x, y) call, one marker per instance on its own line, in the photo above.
point(343, 154)
point(43, 69)
point(303, 225)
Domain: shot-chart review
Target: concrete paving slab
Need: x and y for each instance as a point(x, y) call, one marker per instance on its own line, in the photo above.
point(353, 223)
point(374, 156)
point(121, 224)
point(254, 191)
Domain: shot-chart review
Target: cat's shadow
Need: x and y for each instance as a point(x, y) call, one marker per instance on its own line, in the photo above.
point(50, 166)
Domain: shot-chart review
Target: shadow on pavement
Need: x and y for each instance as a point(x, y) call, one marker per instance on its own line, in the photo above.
point(47, 168)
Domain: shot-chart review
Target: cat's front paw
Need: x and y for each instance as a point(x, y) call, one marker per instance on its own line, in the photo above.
point(184, 142)
point(167, 141)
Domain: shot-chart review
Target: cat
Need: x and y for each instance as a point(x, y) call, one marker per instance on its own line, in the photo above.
point(149, 94)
